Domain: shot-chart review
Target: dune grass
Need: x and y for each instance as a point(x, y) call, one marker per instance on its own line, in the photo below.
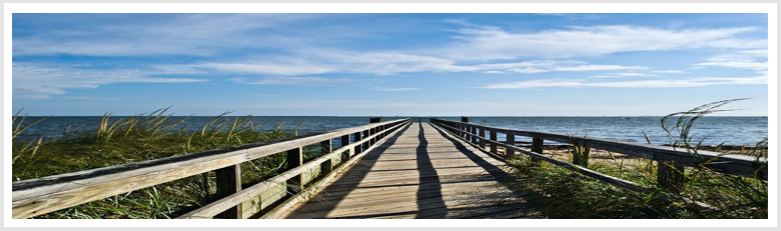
point(572, 195)
point(142, 137)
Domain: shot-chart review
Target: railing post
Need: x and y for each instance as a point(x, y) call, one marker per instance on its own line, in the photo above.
point(493, 145)
point(537, 147)
point(327, 147)
point(482, 139)
point(366, 144)
point(464, 128)
point(359, 147)
point(509, 152)
point(670, 176)
point(374, 130)
point(295, 158)
point(229, 182)
point(474, 134)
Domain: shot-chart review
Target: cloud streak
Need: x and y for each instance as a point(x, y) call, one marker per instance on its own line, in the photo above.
point(32, 81)
point(666, 83)
point(485, 43)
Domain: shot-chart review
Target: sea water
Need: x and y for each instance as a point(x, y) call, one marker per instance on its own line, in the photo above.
point(711, 130)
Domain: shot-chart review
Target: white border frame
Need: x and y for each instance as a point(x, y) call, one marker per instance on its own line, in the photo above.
point(769, 8)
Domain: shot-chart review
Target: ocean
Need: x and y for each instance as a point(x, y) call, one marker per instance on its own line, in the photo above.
point(712, 130)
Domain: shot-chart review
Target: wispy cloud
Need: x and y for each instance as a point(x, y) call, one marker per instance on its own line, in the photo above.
point(269, 68)
point(32, 81)
point(170, 34)
point(302, 81)
point(623, 74)
point(669, 71)
point(666, 83)
point(480, 43)
point(748, 59)
point(740, 64)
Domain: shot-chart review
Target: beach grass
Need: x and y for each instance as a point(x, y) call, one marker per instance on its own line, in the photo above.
point(142, 137)
point(704, 194)
point(570, 195)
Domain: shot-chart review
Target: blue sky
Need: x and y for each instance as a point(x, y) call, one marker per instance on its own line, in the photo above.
point(389, 64)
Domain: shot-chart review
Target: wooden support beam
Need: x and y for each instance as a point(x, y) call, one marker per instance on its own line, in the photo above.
point(537, 143)
point(357, 137)
point(474, 132)
point(670, 176)
point(228, 183)
point(482, 140)
point(509, 153)
point(493, 145)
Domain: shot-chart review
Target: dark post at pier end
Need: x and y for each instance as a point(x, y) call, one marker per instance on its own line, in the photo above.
point(464, 119)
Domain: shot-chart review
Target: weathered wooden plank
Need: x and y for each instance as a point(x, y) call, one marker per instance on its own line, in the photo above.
point(398, 178)
point(296, 200)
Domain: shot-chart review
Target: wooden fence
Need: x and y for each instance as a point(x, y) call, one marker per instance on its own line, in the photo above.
point(270, 197)
point(671, 160)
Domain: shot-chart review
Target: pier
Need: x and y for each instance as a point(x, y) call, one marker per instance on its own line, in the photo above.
point(391, 169)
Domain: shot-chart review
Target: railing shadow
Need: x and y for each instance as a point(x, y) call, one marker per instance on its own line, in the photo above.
point(430, 187)
point(347, 184)
point(501, 176)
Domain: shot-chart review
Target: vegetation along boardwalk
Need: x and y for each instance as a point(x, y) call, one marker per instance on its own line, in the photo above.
point(391, 169)
point(422, 172)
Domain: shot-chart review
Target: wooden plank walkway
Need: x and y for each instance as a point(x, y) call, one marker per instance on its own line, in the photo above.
point(422, 172)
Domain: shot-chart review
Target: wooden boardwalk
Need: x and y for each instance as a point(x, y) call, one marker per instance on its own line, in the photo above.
point(422, 172)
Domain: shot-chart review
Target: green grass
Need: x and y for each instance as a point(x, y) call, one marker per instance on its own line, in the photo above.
point(572, 195)
point(144, 137)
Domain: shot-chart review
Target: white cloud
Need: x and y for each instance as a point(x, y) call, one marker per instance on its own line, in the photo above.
point(527, 70)
point(34, 81)
point(667, 83)
point(302, 81)
point(379, 63)
point(269, 68)
point(739, 64)
point(669, 71)
point(177, 34)
point(755, 60)
point(478, 43)
point(623, 74)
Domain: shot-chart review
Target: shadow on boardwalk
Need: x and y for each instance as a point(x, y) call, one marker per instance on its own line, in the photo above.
point(422, 173)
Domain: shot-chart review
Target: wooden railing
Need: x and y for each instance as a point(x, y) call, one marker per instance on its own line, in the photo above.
point(43, 195)
point(671, 160)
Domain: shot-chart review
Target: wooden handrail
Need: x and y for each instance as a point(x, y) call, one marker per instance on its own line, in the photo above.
point(755, 167)
point(43, 195)
point(216, 207)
